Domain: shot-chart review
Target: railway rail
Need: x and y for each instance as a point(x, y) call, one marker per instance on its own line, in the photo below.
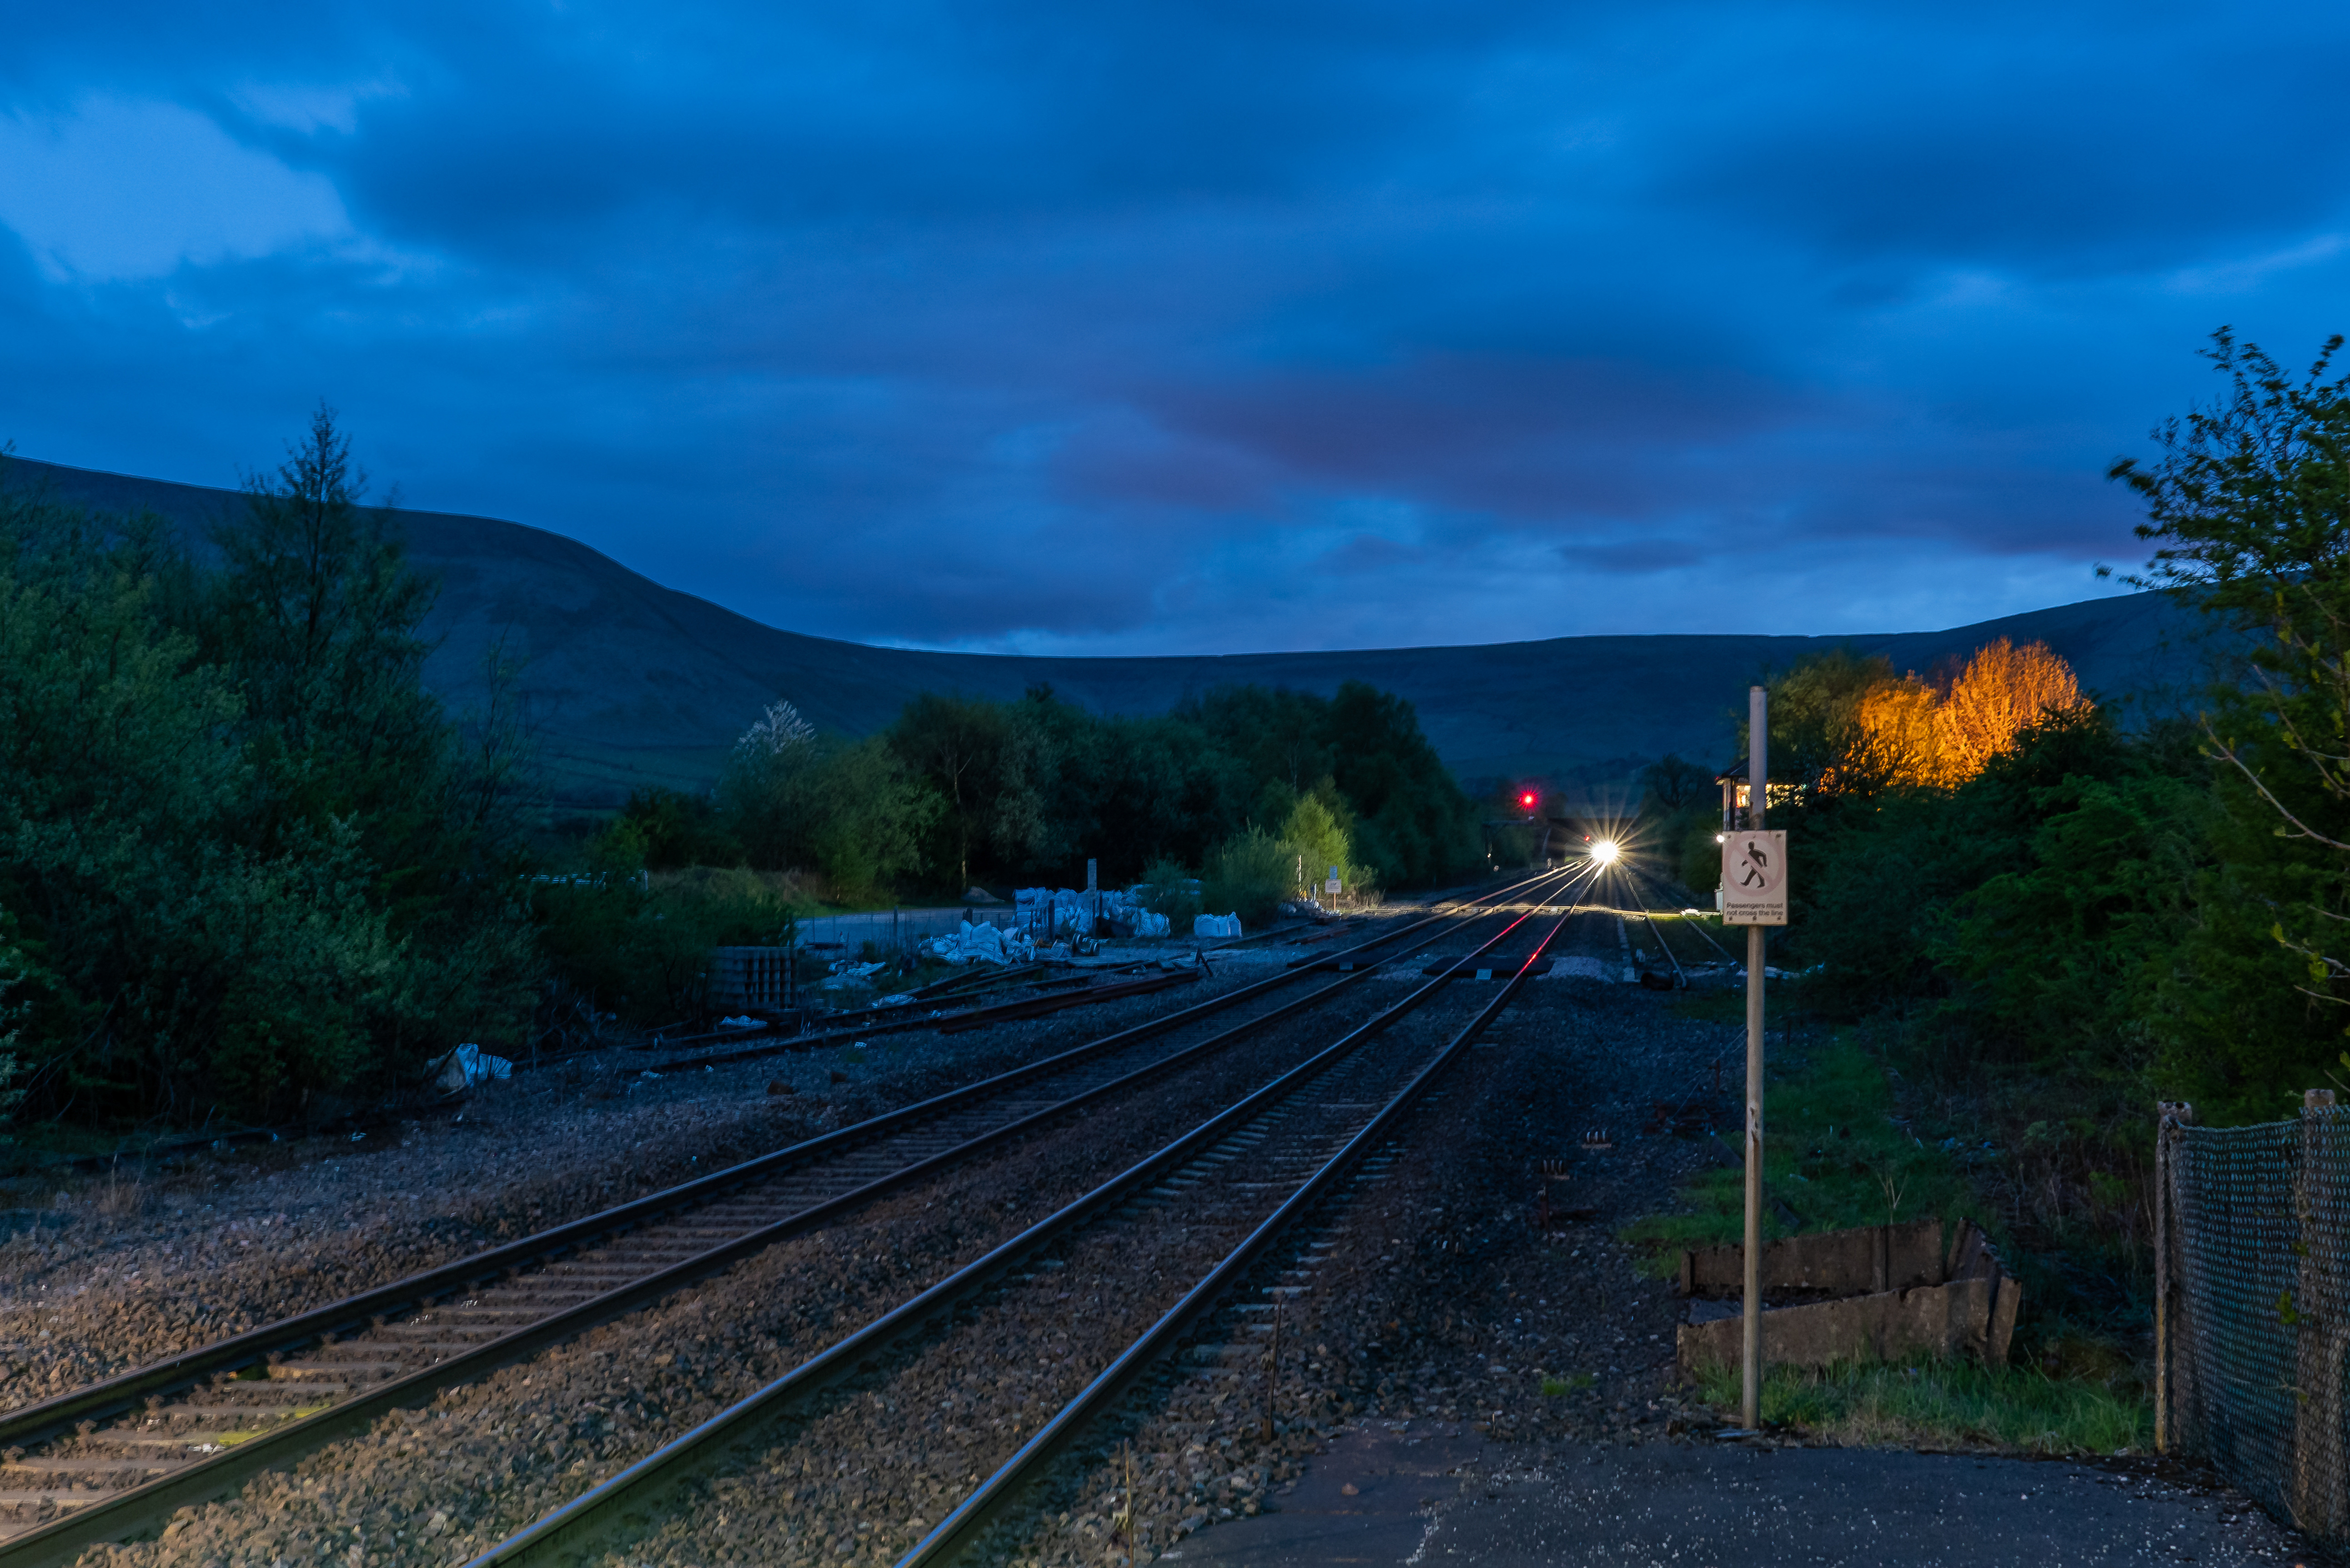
point(1636, 875)
point(260, 1400)
point(1207, 1206)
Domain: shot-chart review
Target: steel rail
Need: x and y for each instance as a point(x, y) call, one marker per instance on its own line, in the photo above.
point(1701, 931)
point(773, 1047)
point(127, 1391)
point(132, 1509)
point(587, 1512)
point(1001, 1489)
point(1631, 885)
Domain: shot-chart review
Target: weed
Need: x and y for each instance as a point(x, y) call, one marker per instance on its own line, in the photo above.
point(1948, 1404)
point(1835, 1152)
point(1574, 1383)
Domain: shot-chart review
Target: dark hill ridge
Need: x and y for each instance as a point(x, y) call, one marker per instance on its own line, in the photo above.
point(629, 683)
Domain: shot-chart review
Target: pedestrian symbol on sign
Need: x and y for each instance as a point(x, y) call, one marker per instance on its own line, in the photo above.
point(1754, 879)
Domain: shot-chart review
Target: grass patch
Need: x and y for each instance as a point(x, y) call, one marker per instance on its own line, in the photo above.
point(1574, 1383)
point(1948, 1404)
point(1714, 1004)
point(1835, 1152)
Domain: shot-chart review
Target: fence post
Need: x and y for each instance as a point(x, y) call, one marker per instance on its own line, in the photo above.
point(2322, 1327)
point(2169, 1115)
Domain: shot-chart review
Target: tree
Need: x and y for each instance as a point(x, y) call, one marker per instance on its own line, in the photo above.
point(1845, 725)
point(1818, 742)
point(2003, 691)
point(2248, 508)
point(970, 753)
point(174, 959)
point(317, 615)
point(767, 790)
point(1674, 782)
point(796, 799)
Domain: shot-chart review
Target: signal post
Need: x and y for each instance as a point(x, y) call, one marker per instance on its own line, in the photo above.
point(1755, 894)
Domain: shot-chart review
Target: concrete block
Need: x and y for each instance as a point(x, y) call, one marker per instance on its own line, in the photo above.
point(1873, 1258)
point(1966, 1317)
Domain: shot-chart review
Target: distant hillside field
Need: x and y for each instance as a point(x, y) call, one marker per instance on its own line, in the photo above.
point(629, 683)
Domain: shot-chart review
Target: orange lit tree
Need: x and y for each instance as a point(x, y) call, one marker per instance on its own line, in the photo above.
point(1849, 726)
point(2003, 691)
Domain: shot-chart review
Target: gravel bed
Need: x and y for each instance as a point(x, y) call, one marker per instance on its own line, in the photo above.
point(434, 1485)
point(860, 1481)
point(151, 1263)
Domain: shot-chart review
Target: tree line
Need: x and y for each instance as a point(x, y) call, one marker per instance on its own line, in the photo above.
point(1255, 792)
point(251, 869)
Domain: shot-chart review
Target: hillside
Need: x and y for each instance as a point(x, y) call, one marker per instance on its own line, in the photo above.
point(629, 682)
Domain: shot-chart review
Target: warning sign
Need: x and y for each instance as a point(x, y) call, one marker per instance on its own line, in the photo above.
point(1754, 879)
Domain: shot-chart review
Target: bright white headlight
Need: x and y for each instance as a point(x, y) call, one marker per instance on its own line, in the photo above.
point(1604, 850)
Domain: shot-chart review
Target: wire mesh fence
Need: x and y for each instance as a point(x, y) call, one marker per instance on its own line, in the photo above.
point(2252, 1313)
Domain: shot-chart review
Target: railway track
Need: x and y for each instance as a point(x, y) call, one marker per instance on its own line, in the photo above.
point(1635, 877)
point(123, 1455)
point(1152, 1249)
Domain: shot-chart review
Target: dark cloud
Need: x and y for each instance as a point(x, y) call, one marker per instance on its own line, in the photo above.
point(1185, 326)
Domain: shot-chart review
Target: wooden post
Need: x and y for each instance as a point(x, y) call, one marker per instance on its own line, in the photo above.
point(2322, 1330)
point(1758, 736)
point(2168, 1115)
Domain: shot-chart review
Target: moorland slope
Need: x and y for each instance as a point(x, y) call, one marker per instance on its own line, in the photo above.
point(627, 682)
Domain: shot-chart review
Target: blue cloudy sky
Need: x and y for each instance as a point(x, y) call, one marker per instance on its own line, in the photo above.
point(1144, 327)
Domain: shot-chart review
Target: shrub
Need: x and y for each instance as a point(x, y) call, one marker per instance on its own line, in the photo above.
point(1249, 876)
point(1174, 892)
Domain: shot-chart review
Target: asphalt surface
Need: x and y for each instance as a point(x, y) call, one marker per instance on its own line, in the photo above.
point(1423, 1493)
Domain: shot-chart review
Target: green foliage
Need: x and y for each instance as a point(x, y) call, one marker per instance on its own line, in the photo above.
point(1509, 835)
point(244, 857)
point(1030, 790)
point(1815, 720)
point(1680, 813)
point(976, 758)
point(1254, 872)
point(2009, 940)
point(1320, 830)
point(1174, 893)
point(1674, 783)
point(1836, 1154)
point(853, 810)
point(1248, 875)
point(1412, 824)
point(641, 945)
point(664, 829)
point(2249, 509)
point(12, 975)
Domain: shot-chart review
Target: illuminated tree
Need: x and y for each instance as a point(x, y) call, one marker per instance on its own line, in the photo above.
point(2003, 691)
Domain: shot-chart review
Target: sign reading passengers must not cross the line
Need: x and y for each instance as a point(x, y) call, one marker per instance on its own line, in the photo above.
point(1754, 878)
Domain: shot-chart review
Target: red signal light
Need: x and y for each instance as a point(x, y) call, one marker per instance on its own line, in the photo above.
point(1527, 800)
